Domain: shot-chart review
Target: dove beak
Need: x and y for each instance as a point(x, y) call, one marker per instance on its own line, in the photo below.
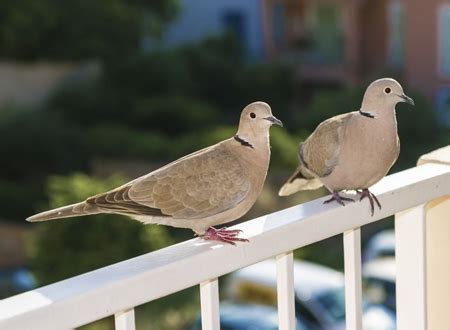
point(407, 99)
point(274, 120)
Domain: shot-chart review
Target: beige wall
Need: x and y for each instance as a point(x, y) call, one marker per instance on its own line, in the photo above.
point(438, 263)
point(438, 251)
point(31, 83)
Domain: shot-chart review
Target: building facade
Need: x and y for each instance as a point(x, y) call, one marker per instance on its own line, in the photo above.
point(353, 41)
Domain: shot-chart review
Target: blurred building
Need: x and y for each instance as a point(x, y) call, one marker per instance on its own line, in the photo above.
point(199, 19)
point(335, 42)
point(329, 42)
point(25, 84)
point(357, 40)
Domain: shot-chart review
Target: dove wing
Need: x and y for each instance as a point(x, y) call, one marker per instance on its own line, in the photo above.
point(320, 152)
point(205, 183)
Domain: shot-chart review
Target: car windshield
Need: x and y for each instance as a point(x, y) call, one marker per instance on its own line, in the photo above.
point(333, 301)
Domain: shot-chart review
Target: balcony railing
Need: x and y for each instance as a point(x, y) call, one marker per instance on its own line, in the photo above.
point(117, 289)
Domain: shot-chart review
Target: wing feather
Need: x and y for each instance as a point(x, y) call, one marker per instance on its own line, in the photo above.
point(207, 183)
point(321, 148)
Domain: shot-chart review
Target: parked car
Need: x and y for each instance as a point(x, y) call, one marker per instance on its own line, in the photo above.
point(379, 282)
point(15, 280)
point(247, 317)
point(319, 294)
point(380, 245)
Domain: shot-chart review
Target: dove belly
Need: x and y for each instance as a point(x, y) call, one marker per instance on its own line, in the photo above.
point(199, 226)
point(363, 163)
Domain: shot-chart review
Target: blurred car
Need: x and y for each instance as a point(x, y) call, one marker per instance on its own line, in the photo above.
point(15, 280)
point(378, 317)
point(380, 245)
point(379, 282)
point(319, 294)
point(247, 317)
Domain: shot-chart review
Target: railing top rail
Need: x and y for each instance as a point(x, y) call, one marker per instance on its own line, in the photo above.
point(100, 293)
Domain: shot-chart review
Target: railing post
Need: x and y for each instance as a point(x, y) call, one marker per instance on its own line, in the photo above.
point(437, 226)
point(125, 320)
point(353, 291)
point(410, 255)
point(209, 298)
point(285, 291)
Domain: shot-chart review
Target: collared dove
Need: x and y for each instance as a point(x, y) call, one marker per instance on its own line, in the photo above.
point(352, 151)
point(209, 187)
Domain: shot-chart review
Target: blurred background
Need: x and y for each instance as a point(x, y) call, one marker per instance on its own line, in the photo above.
point(94, 93)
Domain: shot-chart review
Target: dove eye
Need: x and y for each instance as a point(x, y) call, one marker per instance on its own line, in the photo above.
point(387, 90)
point(252, 115)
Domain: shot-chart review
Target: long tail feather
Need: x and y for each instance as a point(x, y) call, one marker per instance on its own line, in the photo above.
point(298, 181)
point(68, 211)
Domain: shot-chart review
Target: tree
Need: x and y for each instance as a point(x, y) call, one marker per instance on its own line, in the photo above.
point(78, 29)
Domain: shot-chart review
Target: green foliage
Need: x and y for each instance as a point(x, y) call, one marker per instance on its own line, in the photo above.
point(326, 103)
point(77, 29)
point(177, 91)
point(17, 200)
point(418, 130)
point(184, 114)
point(38, 143)
point(332, 257)
point(115, 141)
point(68, 247)
point(284, 149)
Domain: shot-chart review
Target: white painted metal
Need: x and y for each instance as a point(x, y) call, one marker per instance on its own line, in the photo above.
point(103, 292)
point(353, 288)
point(209, 297)
point(410, 258)
point(285, 291)
point(125, 320)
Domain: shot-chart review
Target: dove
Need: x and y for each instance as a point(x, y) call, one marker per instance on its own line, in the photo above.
point(352, 151)
point(207, 188)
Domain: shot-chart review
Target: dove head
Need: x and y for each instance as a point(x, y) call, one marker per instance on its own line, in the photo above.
point(256, 119)
point(384, 94)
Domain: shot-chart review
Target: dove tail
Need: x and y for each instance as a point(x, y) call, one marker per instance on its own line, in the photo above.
point(299, 181)
point(68, 211)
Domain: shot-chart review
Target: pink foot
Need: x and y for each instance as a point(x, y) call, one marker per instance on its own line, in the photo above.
point(223, 235)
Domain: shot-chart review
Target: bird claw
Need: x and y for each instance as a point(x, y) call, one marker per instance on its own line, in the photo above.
point(223, 235)
point(366, 193)
point(231, 231)
point(338, 198)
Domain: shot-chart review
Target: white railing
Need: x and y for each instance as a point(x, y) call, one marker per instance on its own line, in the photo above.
point(118, 288)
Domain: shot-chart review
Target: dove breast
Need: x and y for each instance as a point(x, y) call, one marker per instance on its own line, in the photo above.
point(368, 147)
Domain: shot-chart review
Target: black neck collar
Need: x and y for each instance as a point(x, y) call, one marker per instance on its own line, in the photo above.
point(366, 114)
point(243, 142)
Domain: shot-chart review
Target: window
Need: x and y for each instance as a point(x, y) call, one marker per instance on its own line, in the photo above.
point(278, 24)
point(443, 106)
point(234, 22)
point(327, 35)
point(396, 25)
point(444, 39)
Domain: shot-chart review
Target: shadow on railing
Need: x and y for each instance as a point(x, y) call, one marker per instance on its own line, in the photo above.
point(118, 288)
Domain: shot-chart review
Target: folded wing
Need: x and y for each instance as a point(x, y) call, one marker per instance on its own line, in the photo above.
point(207, 183)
